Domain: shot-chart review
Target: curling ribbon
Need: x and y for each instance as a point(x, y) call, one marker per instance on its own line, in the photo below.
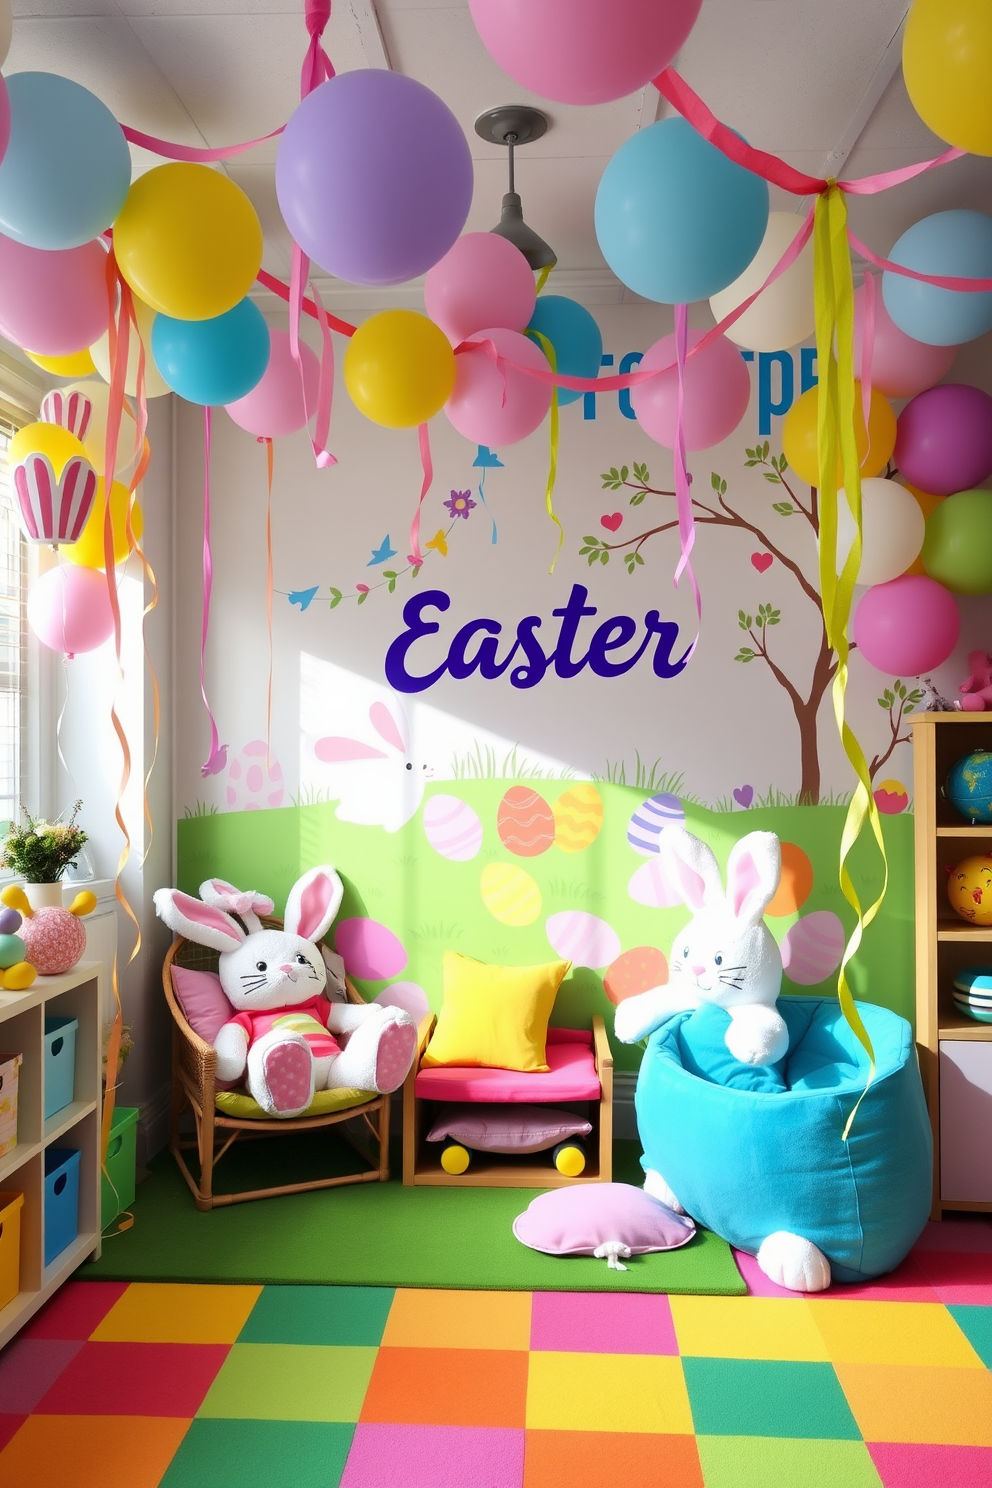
point(542, 277)
point(416, 556)
point(216, 760)
point(317, 66)
point(683, 495)
point(269, 465)
point(549, 489)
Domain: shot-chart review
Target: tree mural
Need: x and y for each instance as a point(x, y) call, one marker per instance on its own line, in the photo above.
point(806, 695)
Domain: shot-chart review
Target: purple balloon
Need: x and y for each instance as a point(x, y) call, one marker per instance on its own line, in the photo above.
point(374, 177)
point(10, 922)
point(944, 440)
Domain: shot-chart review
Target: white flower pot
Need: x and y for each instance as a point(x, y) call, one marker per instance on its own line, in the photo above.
point(44, 895)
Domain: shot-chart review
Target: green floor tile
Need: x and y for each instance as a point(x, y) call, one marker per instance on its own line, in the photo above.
point(260, 1454)
point(754, 1397)
point(976, 1325)
point(319, 1314)
point(290, 1382)
point(774, 1462)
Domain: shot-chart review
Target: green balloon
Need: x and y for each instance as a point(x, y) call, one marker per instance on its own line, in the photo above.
point(957, 549)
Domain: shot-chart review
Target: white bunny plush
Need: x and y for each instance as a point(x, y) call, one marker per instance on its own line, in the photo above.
point(288, 1036)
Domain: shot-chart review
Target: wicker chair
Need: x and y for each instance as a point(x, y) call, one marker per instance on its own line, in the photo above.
point(194, 1075)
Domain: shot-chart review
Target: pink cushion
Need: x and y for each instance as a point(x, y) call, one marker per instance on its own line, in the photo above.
point(202, 999)
point(571, 1076)
point(508, 1128)
point(580, 1220)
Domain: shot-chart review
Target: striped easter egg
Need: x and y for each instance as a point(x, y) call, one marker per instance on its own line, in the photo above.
point(650, 820)
point(452, 828)
point(651, 886)
point(582, 938)
point(813, 947)
point(510, 894)
point(70, 408)
point(525, 822)
point(578, 814)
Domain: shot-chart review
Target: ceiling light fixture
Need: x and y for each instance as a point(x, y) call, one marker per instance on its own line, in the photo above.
point(513, 125)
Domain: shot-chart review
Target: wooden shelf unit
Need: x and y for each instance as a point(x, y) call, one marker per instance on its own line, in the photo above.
point(955, 1050)
point(22, 1026)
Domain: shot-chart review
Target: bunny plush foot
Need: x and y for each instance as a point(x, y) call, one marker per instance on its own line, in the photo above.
point(379, 1053)
point(658, 1189)
point(394, 1056)
point(280, 1075)
point(790, 1261)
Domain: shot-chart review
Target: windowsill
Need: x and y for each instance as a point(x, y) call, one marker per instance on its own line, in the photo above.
point(103, 888)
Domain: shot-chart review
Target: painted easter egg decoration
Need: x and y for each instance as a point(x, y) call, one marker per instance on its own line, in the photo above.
point(969, 889)
point(634, 972)
point(369, 949)
point(54, 940)
point(452, 828)
point(582, 938)
point(11, 951)
point(254, 779)
point(813, 947)
point(525, 822)
point(578, 816)
point(891, 797)
point(510, 894)
point(10, 921)
point(409, 996)
point(795, 884)
point(650, 820)
point(649, 885)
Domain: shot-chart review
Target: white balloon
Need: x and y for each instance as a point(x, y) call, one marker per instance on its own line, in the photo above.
point(155, 384)
point(783, 315)
point(6, 26)
point(893, 527)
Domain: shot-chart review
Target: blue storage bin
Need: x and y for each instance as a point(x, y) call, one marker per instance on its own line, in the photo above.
point(61, 1200)
point(60, 1063)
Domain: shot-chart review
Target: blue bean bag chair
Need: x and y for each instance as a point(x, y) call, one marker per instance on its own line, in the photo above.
point(752, 1150)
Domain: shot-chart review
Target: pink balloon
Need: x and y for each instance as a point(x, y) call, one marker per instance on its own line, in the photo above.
point(908, 626)
point(53, 301)
point(482, 281)
point(583, 51)
point(717, 392)
point(69, 609)
point(477, 407)
point(900, 366)
point(274, 406)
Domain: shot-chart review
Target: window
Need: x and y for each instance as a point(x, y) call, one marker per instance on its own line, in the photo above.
point(13, 640)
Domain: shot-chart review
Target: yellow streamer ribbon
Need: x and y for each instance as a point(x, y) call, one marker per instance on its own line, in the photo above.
point(834, 299)
point(542, 276)
point(549, 352)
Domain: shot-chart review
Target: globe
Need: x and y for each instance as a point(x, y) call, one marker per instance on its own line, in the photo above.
point(969, 786)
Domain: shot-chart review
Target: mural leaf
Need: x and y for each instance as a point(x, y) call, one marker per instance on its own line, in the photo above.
point(336, 597)
point(784, 508)
point(745, 654)
point(641, 474)
point(637, 498)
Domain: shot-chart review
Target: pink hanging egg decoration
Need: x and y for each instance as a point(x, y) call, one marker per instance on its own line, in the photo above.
point(54, 940)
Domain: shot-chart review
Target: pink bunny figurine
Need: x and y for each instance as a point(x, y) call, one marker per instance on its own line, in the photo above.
point(978, 688)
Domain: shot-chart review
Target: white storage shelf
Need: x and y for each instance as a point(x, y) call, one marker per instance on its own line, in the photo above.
point(22, 1024)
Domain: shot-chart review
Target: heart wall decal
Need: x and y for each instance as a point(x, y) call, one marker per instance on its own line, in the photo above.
point(762, 561)
point(611, 523)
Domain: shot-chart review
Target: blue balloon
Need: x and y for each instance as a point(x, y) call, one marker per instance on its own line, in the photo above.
point(67, 168)
point(575, 336)
point(958, 244)
point(676, 220)
point(212, 361)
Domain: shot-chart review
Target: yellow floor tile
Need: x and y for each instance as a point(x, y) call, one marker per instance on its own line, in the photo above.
point(150, 1312)
point(904, 1403)
point(431, 1318)
point(607, 1392)
point(747, 1328)
point(922, 1333)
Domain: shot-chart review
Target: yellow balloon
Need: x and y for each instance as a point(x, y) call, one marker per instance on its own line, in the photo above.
point(947, 64)
point(89, 551)
point(799, 436)
point(95, 438)
point(45, 439)
point(155, 384)
point(399, 369)
point(77, 364)
point(188, 241)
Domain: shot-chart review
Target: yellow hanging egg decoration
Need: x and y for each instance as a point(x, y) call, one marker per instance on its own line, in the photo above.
point(969, 889)
point(578, 814)
point(510, 894)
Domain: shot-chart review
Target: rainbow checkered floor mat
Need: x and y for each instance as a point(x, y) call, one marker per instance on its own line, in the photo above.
point(118, 1385)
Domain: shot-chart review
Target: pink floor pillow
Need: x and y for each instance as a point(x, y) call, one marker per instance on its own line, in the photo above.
point(606, 1220)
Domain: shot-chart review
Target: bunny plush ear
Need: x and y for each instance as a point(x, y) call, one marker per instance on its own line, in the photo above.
point(691, 868)
point(202, 923)
point(753, 872)
point(248, 904)
point(313, 902)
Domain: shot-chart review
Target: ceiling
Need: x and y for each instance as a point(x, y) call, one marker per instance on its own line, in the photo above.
point(818, 84)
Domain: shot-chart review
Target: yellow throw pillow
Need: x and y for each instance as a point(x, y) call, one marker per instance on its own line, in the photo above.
point(496, 1016)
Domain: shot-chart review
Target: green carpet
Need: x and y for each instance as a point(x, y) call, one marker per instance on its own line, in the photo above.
point(374, 1234)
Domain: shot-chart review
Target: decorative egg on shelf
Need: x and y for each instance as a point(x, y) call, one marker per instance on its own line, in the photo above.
point(969, 889)
point(54, 939)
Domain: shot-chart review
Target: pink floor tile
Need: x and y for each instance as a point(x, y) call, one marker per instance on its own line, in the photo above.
point(958, 1276)
point(908, 1283)
point(957, 1234)
point(135, 1379)
point(602, 1323)
point(902, 1465)
point(76, 1310)
point(434, 1457)
point(29, 1368)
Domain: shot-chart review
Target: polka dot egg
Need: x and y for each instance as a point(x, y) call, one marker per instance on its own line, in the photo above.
point(452, 828)
point(54, 940)
point(649, 821)
point(525, 822)
point(813, 947)
point(578, 815)
point(583, 938)
point(635, 971)
point(510, 894)
point(254, 779)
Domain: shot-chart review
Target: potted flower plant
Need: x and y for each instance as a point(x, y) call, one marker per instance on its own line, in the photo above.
point(41, 851)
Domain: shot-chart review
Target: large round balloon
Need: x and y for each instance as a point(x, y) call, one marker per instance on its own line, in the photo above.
point(575, 336)
point(89, 551)
point(944, 443)
point(155, 384)
point(947, 62)
point(4, 115)
point(907, 627)
point(399, 368)
point(956, 244)
point(782, 315)
point(188, 241)
point(875, 445)
point(496, 406)
point(676, 220)
point(275, 406)
point(69, 609)
point(717, 392)
point(957, 550)
point(583, 51)
point(482, 280)
point(76, 364)
point(892, 532)
point(214, 361)
point(53, 302)
point(46, 439)
point(374, 177)
point(900, 366)
point(67, 167)
point(95, 435)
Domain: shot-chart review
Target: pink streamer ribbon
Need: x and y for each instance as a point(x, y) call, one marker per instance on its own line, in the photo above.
point(317, 67)
point(200, 155)
point(683, 494)
point(427, 463)
point(942, 281)
point(216, 760)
